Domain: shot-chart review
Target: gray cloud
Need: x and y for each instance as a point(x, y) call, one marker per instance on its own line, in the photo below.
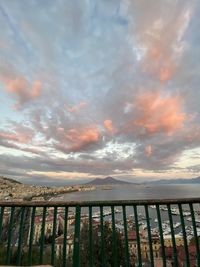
point(131, 63)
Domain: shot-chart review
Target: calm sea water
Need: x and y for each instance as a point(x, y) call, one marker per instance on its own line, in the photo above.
point(134, 192)
point(130, 192)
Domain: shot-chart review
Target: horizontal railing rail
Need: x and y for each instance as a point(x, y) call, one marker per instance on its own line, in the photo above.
point(98, 203)
point(126, 233)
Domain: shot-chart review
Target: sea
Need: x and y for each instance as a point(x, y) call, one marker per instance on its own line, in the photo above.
point(138, 192)
point(135, 192)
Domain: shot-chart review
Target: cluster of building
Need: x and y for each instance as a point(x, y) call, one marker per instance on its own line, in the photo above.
point(131, 234)
point(13, 190)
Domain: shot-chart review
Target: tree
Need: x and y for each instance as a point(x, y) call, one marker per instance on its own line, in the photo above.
point(97, 246)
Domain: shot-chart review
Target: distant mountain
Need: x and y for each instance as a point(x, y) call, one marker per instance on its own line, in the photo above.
point(106, 181)
point(178, 181)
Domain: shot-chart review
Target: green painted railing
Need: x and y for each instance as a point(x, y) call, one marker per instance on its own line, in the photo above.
point(103, 233)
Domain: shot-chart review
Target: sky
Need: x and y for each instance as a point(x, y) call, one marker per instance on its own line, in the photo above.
point(93, 88)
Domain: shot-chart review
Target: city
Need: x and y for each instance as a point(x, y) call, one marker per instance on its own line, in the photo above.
point(12, 190)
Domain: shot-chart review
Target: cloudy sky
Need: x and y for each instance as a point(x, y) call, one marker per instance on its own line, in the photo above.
point(92, 88)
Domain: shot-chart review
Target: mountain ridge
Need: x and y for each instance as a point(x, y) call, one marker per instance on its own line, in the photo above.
point(177, 181)
point(107, 181)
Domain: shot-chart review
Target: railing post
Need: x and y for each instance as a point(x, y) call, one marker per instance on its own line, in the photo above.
point(184, 235)
point(149, 235)
point(103, 260)
point(76, 255)
point(20, 240)
point(137, 236)
point(90, 238)
point(161, 235)
point(1, 221)
point(114, 241)
point(42, 237)
point(126, 237)
point(172, 235)
point(65, 238)
point(10, 228)
point(31, 236)
point(195, 234)
point(53, 236)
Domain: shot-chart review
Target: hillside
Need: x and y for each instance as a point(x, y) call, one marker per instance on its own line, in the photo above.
point(8, 181)
point(106, 181)
point(178, 181)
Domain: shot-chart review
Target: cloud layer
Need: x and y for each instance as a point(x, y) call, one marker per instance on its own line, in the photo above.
point(94, 88)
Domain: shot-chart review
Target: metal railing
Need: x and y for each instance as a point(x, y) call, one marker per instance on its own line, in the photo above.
point(103, 233)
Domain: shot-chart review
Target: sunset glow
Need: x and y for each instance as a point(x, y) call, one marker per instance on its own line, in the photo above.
point(96, 88)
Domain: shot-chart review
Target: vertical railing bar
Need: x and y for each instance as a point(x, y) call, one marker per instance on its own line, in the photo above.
point(161, 236)
point(149, 235)
point(76, 254)
point(65, 238)
point(53, 236)
point(90, 238)
point(195, 233)
point(103, 260)
point(10, 228)
point(126, 237)
point(31, 236)
point(172, 235)
point(42, 235)
point(114, 241)
point(184, 235)
point(137, 236)
point(20, 240)
point(1, 221)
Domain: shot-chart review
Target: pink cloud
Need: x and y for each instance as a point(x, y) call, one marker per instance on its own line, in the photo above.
point(108, 125)
point(36, 89)
point(163, 44)
point(159, 62)
point(9, 136)
point(157, 113)
point(166, 73)
point(19, 134)
point(76, 139)
point(22, 89)
point(76, 108)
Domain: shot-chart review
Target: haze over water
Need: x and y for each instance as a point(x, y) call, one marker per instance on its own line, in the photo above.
point(130, 192)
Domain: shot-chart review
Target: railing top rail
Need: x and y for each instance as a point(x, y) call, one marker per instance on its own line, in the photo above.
point(98, 203)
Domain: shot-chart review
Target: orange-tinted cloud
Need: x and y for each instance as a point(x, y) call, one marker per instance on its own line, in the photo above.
point(163, 45)
point(22, 138)
point(159, 63)
point(108, 125)
point(24, 91)
point(36, 89)
point(9, 136)
point(154, 52)
point(76, 108)
point(166, 73)
point(159, 113)
point(78, 139)
point(148, 150)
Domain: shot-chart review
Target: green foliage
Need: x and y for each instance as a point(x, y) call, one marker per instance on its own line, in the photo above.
point(24, 258)
point(2, 254)
point(97, 246)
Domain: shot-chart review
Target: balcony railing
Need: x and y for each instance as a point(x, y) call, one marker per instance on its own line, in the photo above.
point(105, 233)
